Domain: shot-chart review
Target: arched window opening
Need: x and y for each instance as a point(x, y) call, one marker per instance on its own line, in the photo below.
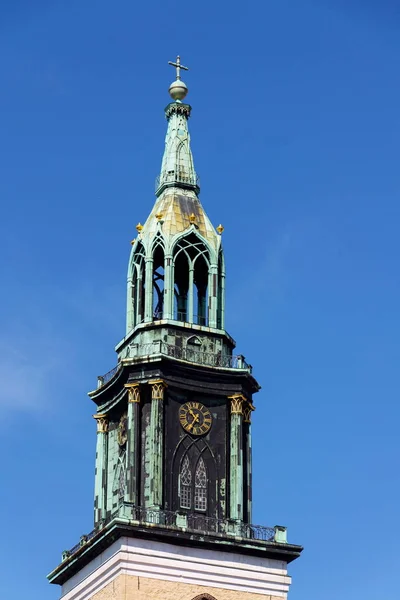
point(186, 484)
point(158, 282)
point(138, 286)
point(193, 489)
point(200, 486)
point(200, 293)
point(181, 275)
point(191, 268)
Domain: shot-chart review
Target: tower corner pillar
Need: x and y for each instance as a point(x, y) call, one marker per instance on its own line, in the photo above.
point(236, 457)
point(100, 492)
point(156, 446)
point(132, 449)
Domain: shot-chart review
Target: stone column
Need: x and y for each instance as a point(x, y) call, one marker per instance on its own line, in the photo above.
point(222, 296)
point(190, 300)
point(247, 410)
point(148, 295)
point(168, 288)
point(131, 305)
point(100, 489)
point(132, 444)
point(236, 458)
point(156, 443)
point(212, 296)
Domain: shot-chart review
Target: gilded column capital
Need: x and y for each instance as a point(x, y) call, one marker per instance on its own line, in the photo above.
point(102, 422)
point(237, 401)
point(133, 392)
point(157, 389)
point(248, 408)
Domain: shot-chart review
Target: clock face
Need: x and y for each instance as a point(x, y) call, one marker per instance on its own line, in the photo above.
point(195, 418)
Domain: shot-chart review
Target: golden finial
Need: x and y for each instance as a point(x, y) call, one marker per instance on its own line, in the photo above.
point(133, 241)
point(159, 216)
point(139, 227)
point(220, 229)
point(192, 218)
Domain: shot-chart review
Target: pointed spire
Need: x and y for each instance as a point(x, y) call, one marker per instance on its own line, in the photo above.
point(177, 167)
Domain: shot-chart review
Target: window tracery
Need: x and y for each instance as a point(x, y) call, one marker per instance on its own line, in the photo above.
point(186, 484)
point(193, 490)
point(200, 486)
point(158, 280)
point(191, 267)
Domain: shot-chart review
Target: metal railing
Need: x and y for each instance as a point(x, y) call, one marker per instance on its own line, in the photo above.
point(177, 177)
point(103, 379)
point(188, 354)
point(180, 521)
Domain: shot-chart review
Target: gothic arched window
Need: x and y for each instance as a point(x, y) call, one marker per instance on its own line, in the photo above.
point(158, 281)
point(186, 484)
point(191, 275)
point(193, 489)
point(137, 288)
point(200, 486)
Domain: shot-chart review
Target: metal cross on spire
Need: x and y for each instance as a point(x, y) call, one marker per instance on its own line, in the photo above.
point(178, 66)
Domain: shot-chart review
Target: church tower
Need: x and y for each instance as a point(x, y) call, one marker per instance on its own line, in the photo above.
point(173, 474)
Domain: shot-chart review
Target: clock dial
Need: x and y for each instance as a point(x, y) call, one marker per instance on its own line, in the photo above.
point(195, 418)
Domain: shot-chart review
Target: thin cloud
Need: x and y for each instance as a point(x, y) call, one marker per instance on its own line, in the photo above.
point(27, 365)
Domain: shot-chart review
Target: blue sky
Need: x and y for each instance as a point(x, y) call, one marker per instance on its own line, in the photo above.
point(295, 130)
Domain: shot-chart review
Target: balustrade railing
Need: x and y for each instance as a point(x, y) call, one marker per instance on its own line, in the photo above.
point(177, 177)
point(103, 379)
point(187, 353)
point(190, 522)
point(190, 354)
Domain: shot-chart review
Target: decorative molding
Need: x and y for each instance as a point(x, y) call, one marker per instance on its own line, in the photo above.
point(102, 422)
point(133, 392)
point(179, 108)
point(247, 410)
point(157, 389)
point(237, 401)
point(165, 562)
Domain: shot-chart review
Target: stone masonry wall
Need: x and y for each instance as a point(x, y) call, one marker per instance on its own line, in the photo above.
point(128, 587)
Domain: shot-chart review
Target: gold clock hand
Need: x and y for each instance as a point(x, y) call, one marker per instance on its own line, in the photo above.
point(195, 419)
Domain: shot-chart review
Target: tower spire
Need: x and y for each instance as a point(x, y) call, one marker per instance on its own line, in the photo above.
point(177, 167)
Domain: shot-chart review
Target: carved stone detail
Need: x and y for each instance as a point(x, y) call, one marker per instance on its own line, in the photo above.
point(237, 401)
point(133, 392)
point(178, 108)
point(247, 410)
point(157, 389)
point(102, 423)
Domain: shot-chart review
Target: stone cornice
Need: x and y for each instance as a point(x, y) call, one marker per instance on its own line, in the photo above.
point(178, 108)
point(118, 529)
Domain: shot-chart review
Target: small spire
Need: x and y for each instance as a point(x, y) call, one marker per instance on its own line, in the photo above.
point(177, 168)
point(178, 88)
